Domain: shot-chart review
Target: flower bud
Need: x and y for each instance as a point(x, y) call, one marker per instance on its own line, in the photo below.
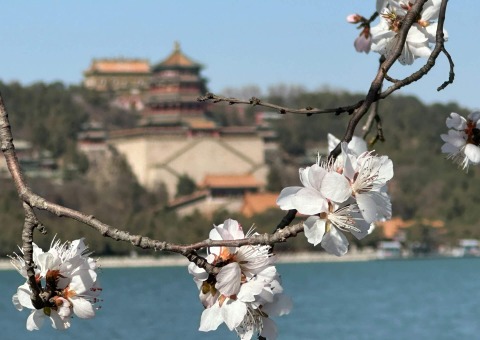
point(354, 18)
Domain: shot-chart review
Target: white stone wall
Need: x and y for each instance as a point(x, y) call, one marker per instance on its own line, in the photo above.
point(156, 159)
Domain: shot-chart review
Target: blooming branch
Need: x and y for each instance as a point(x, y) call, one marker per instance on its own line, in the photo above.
point(237, 280)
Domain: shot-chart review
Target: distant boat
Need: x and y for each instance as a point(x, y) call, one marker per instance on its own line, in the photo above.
point(389, 250)
point(467, 248)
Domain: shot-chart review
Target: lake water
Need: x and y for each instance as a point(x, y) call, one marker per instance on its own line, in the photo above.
point(404, 299)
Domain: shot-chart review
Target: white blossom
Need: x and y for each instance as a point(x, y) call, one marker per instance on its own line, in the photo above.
point(246, 285)
point(363, 42)
point(420, 38)
point(462, 143)
point(312, 199)
point(68, 276)
point(327, 228)
point(364, 179)
point(385, 36)
point(348, 195)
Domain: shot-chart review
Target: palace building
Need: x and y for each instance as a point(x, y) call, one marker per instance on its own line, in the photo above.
point(117, 75)
point(175, 85)
point(174, 138)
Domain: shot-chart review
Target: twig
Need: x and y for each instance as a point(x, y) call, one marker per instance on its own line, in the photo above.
point(281, 109)
point(31, 222)
point(439, 47)
point(376, 84)
point(451, 74)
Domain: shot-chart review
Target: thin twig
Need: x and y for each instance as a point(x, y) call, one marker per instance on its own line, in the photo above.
point(376, 84)
point(451, 74)
point(210, 97)
point(439, 47)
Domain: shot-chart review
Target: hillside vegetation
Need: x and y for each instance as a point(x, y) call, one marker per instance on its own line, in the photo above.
point(425, 185)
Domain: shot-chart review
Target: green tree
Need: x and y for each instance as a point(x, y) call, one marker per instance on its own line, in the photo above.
point(185, 186)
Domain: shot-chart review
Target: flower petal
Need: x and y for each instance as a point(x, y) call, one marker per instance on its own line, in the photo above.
point(315, 176)
point(284, 200)
point(82, 307)
point(336, 187)
point(250, 289)
point(211, 318)
point(367, 206)
point(36, 319)
point(282, 305)
point(58, 322)
point(309, 202)
point(229, 279)
point(314, 229)
point(234, 228)
point(23, 296)
point(269, 330)
point(334, 242)
point(473, 153)
point(233, 312)
point(455, 121)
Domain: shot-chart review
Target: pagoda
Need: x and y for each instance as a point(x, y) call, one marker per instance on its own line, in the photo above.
point(174, 138)
point(175, 85)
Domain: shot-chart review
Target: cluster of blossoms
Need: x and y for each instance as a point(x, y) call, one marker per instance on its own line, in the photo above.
point(383, 37)
point(462, 143)
point(247, 290)
point(348, 194)
point(67, 279)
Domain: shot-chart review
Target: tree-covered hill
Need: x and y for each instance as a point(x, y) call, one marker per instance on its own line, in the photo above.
point(425, 185)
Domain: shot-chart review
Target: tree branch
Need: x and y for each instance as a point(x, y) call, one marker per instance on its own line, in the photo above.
point(377, 82)
point(439, 47)
point(210, 97)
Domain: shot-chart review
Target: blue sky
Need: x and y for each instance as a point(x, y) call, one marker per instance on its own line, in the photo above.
point(262, 42)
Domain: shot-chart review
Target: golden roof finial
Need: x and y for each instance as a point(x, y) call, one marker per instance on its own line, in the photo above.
point(176, 46)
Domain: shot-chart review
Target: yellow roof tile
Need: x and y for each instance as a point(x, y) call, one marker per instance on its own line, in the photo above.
point(120, 66)
point(230, 181)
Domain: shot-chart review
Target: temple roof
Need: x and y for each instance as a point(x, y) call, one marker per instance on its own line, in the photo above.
point(231, 181)
point(256, 203)
point(177, 59)
point(119, 65)
point(392, 226)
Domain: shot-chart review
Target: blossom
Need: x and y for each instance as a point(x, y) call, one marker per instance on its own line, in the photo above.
point(385, 35)
point(364, 178)
point(311, 199)
point(326, 228)
point(357, 145)
point(354, 18)
point(245, 291)
point(429, 14)
point(420, 37)
point(364, 41)
point(380, 5)
point(462, 143)
point(67, 278)
point(345, 195)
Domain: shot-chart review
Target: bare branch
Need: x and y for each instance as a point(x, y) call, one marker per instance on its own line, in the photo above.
point(31, 222)
point(281, 109)
point(32, 200)
point(374, 116)
point(451, 74)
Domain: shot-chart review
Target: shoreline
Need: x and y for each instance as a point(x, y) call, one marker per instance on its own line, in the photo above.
point(177, 260)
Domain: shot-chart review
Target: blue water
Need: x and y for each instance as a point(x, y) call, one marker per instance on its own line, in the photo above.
point(411, 299)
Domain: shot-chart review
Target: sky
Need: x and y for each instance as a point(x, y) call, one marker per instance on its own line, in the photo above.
point(240, 43)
